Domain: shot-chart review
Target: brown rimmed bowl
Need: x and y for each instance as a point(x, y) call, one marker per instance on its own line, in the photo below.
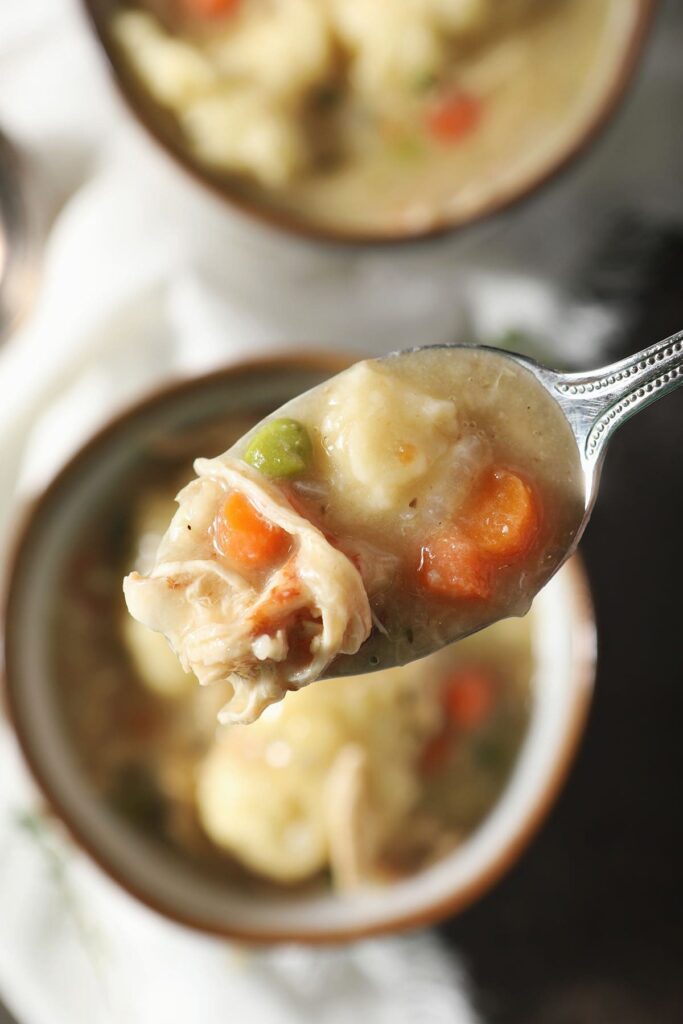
point(620, 61)
point(563, 639)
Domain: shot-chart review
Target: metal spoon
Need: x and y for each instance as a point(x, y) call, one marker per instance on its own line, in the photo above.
point(595, 404)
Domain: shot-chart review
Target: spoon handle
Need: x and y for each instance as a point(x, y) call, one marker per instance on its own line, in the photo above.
point(597, 402)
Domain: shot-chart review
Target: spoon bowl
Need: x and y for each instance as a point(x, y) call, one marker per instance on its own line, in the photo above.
point(592, 404)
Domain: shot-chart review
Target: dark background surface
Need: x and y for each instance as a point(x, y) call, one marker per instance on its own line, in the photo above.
point(587, 928)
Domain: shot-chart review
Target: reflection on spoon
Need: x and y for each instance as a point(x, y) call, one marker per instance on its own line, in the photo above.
point(388, 512)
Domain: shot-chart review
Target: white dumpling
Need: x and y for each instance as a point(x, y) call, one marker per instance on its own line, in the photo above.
point(174, 71)
point(282, 48)
point(393, 46)
point(268, 821)
point(223, 627)
point(242, 130)
point(383, 436)
point(324, 778)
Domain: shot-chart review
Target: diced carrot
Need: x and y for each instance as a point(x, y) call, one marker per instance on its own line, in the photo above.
point(452, 566)
point(435, 752)
point(287, 594)
point(406, 453)
point(469, 697)
point(245, 537)
point(210, 8)
point(502, 518)
point(454, 116)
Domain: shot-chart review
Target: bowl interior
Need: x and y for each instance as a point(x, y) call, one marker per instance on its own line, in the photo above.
point(562, 639)
point(618, 38)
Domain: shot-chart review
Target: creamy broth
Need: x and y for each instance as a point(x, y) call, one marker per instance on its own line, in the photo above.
point(398, 149)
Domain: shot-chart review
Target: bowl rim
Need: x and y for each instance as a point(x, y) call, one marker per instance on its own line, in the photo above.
point(290, 224)
point(582, 676)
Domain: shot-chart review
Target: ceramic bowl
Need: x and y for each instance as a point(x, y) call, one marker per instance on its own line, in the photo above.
point(564, 657)
point(625, 35)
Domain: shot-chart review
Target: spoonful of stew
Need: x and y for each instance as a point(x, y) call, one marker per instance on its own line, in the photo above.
point(390, 511)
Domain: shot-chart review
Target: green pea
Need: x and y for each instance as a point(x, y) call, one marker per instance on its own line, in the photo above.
point(406, 147)
point(281, 448)
point(424, 82)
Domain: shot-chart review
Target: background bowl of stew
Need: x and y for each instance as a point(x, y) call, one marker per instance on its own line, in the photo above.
point(61, 639)
point(536, 114)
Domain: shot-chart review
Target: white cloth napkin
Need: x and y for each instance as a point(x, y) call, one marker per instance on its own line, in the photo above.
point(144, 277)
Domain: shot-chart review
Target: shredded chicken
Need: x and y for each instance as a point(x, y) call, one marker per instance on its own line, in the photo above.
point(262, 640)
point(350, 819)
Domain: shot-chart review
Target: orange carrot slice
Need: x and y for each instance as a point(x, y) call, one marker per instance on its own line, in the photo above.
point(210, 8)
point(245, 537)
point(500, 523)
point(452, 566)
point(469, 696)
point(454, 117)
point(435, 752)
point(502, 519)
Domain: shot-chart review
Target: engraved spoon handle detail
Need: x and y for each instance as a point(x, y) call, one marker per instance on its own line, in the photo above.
point(596, 403)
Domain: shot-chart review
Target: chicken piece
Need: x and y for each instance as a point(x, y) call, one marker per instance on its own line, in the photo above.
point(353, 841)
point(261, 629)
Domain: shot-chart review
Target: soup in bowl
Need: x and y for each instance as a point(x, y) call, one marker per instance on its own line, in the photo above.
point(375, 120)
point(358, 806)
